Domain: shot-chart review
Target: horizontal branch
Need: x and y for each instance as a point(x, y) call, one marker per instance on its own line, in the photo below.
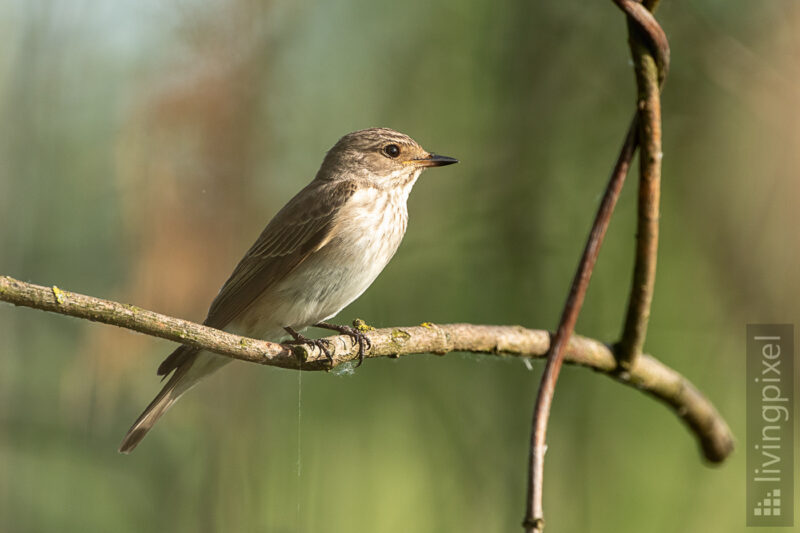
point(150, 323)
point(648, 374)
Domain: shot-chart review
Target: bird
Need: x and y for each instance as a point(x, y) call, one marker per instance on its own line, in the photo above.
point(319, 253)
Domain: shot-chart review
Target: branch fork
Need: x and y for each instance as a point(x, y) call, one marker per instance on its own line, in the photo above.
point(650, 52)
point(649, 375)
point(624, 363)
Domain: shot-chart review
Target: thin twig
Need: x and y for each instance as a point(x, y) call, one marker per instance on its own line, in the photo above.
point(649, 30)
point(534, 515)
point(651, 62)
point(649, 375)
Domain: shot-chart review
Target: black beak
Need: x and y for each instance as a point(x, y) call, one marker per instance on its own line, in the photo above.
point(434, 160)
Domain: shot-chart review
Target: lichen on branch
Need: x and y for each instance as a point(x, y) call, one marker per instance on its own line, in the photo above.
point(648, 374)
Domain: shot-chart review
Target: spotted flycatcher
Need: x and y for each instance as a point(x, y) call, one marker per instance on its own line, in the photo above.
point(319, 253)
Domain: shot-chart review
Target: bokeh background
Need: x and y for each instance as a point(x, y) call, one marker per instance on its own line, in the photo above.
point(144, 144)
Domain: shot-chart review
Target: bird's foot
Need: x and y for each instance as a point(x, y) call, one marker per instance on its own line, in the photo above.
point(298, 338)
point(363, 341)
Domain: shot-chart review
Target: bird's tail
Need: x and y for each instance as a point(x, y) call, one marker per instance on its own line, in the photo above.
point(192, 370)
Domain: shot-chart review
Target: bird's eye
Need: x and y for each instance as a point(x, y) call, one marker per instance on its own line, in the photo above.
point(391, 150)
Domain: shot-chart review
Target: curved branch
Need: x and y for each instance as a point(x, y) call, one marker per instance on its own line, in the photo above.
point(534, 513)
point(650, 53)
point(648, 374)
point(645, 128)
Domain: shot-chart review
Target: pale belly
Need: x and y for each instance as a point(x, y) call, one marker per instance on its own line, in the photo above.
point(332, 278)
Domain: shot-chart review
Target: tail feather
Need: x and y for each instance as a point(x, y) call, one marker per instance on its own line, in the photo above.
point(169, 394)
point(176, 359)
point(194, 367)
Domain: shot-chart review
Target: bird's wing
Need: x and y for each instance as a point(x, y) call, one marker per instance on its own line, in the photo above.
point(302, 227)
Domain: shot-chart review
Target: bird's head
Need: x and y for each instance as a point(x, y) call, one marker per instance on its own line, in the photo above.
point(384, 157)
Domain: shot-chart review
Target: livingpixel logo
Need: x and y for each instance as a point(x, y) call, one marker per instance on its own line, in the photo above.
point(770, 425)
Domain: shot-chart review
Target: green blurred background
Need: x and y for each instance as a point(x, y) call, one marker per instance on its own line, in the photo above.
point(144, 144)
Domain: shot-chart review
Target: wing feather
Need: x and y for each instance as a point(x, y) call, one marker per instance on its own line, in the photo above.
point(302, 227)
point(297, 231)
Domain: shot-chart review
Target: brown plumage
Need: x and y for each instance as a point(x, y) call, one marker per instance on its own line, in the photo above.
point(296, 232)
point(318, 254)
